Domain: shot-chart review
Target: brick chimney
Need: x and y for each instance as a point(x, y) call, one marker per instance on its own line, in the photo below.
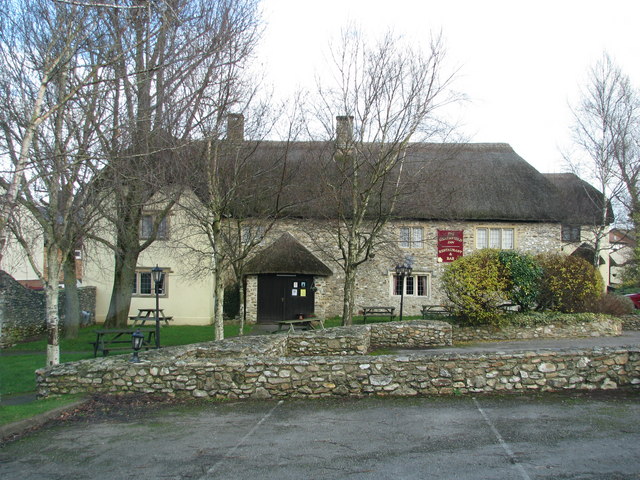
point(344, 130)
point(235, 127)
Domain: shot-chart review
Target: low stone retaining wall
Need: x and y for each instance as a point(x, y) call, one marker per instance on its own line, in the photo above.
point(631, 322)
point(355, 375)
point(275, 366)
point(602, 325)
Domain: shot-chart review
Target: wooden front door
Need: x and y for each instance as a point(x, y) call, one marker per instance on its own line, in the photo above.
point(283, 297)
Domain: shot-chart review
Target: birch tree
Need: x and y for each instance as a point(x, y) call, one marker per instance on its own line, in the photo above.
point(386, 94)
point(49, 73)
point(606, 130)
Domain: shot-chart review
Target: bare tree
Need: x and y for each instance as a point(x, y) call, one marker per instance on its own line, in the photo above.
point(606, 129)
point(238, 188)
point(38, 40)
point(51, 80)
point(172, 73)
point(385, 96)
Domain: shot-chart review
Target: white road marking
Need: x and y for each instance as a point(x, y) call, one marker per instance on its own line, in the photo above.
point(230, 453)
point(501, 441)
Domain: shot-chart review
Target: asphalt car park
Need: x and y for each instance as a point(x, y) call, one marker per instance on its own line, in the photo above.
point(553, 436)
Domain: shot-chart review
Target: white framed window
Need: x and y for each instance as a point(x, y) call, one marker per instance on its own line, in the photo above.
point(143, 285)
point(146, 227)
point(415, 285)
point(411, 237)
point(500, 238)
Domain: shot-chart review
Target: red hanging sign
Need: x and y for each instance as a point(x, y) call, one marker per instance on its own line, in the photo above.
point(450, 245)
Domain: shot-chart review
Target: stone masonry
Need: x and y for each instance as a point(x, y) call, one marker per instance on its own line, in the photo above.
point(276, 366)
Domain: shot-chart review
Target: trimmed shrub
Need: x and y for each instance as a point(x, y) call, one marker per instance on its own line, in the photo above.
point(524, 275)
point(569, 284)
point(613, 304)
point(476, 285)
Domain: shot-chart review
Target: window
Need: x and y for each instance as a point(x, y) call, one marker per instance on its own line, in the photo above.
point(143, 284)
point(411, 237)
point(501, 238)
point(570, 233)
point(416, 285)
point(146, 227)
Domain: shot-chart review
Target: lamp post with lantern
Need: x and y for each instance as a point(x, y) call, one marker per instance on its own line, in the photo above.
point(158, 277)
point(402, 271)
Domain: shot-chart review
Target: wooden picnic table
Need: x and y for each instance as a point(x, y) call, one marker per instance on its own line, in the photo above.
point(435, 310)
point(149, 314)
point(303, 323)
point(378, 311)
point(106, 339)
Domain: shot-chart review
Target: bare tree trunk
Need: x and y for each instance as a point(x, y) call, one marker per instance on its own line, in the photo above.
point(124, 275)
point(71, 300)
point(241, 310)
point(348, 305)
point(218, 318)
point(51, 300)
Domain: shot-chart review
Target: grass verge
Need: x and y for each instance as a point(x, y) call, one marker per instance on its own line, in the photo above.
point(19, 363)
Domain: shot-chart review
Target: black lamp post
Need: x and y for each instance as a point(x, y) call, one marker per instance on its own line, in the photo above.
point(158, 277)
point(136, 343)
point(402, 271)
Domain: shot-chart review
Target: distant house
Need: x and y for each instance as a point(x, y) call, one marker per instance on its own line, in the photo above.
point(622, 245)
point(456, 199)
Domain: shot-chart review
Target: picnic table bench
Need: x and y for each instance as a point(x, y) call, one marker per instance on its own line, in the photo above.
point(106, 340)
point(149, 314)
point(303, 323)
point(378, 311)
point(427, 310)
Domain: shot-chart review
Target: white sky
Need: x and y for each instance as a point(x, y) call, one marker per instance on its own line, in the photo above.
point(521, 63)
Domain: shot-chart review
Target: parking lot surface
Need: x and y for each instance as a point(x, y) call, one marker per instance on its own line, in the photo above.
point(496, 437)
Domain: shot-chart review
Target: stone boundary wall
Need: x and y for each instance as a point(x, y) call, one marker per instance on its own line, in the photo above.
point(354, 375)
point(631, 322)
point(22, 310)
point(258, 367)
point(602, 326)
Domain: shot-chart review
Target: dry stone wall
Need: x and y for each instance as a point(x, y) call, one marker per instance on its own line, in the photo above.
point(602, 325)
point(288, 365)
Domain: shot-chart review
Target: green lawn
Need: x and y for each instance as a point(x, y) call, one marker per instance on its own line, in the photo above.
point(17, 371)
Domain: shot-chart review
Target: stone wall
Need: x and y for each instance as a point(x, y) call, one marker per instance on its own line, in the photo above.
point(631, 322)
point(356, 375)
point(602, 325)
point(273, 366)
point(22, 310)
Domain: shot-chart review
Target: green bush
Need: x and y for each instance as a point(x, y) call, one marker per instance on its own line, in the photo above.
point(524, 275)
point(476, 285)
point(569, 284)
point(613, 304)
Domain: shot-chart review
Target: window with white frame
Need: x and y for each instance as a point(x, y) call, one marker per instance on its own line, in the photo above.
point(500, 238)
point(146, 227)
point(411, 237)
point(415, 285)
point(143, 285)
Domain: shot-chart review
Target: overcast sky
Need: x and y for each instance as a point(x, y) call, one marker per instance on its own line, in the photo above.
point(520, 63)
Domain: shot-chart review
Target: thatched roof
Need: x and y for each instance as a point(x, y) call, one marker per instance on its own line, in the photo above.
point(286, 255)
point(485, 181)
point(582, 204)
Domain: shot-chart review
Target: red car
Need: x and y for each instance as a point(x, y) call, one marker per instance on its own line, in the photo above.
point(635, 298)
